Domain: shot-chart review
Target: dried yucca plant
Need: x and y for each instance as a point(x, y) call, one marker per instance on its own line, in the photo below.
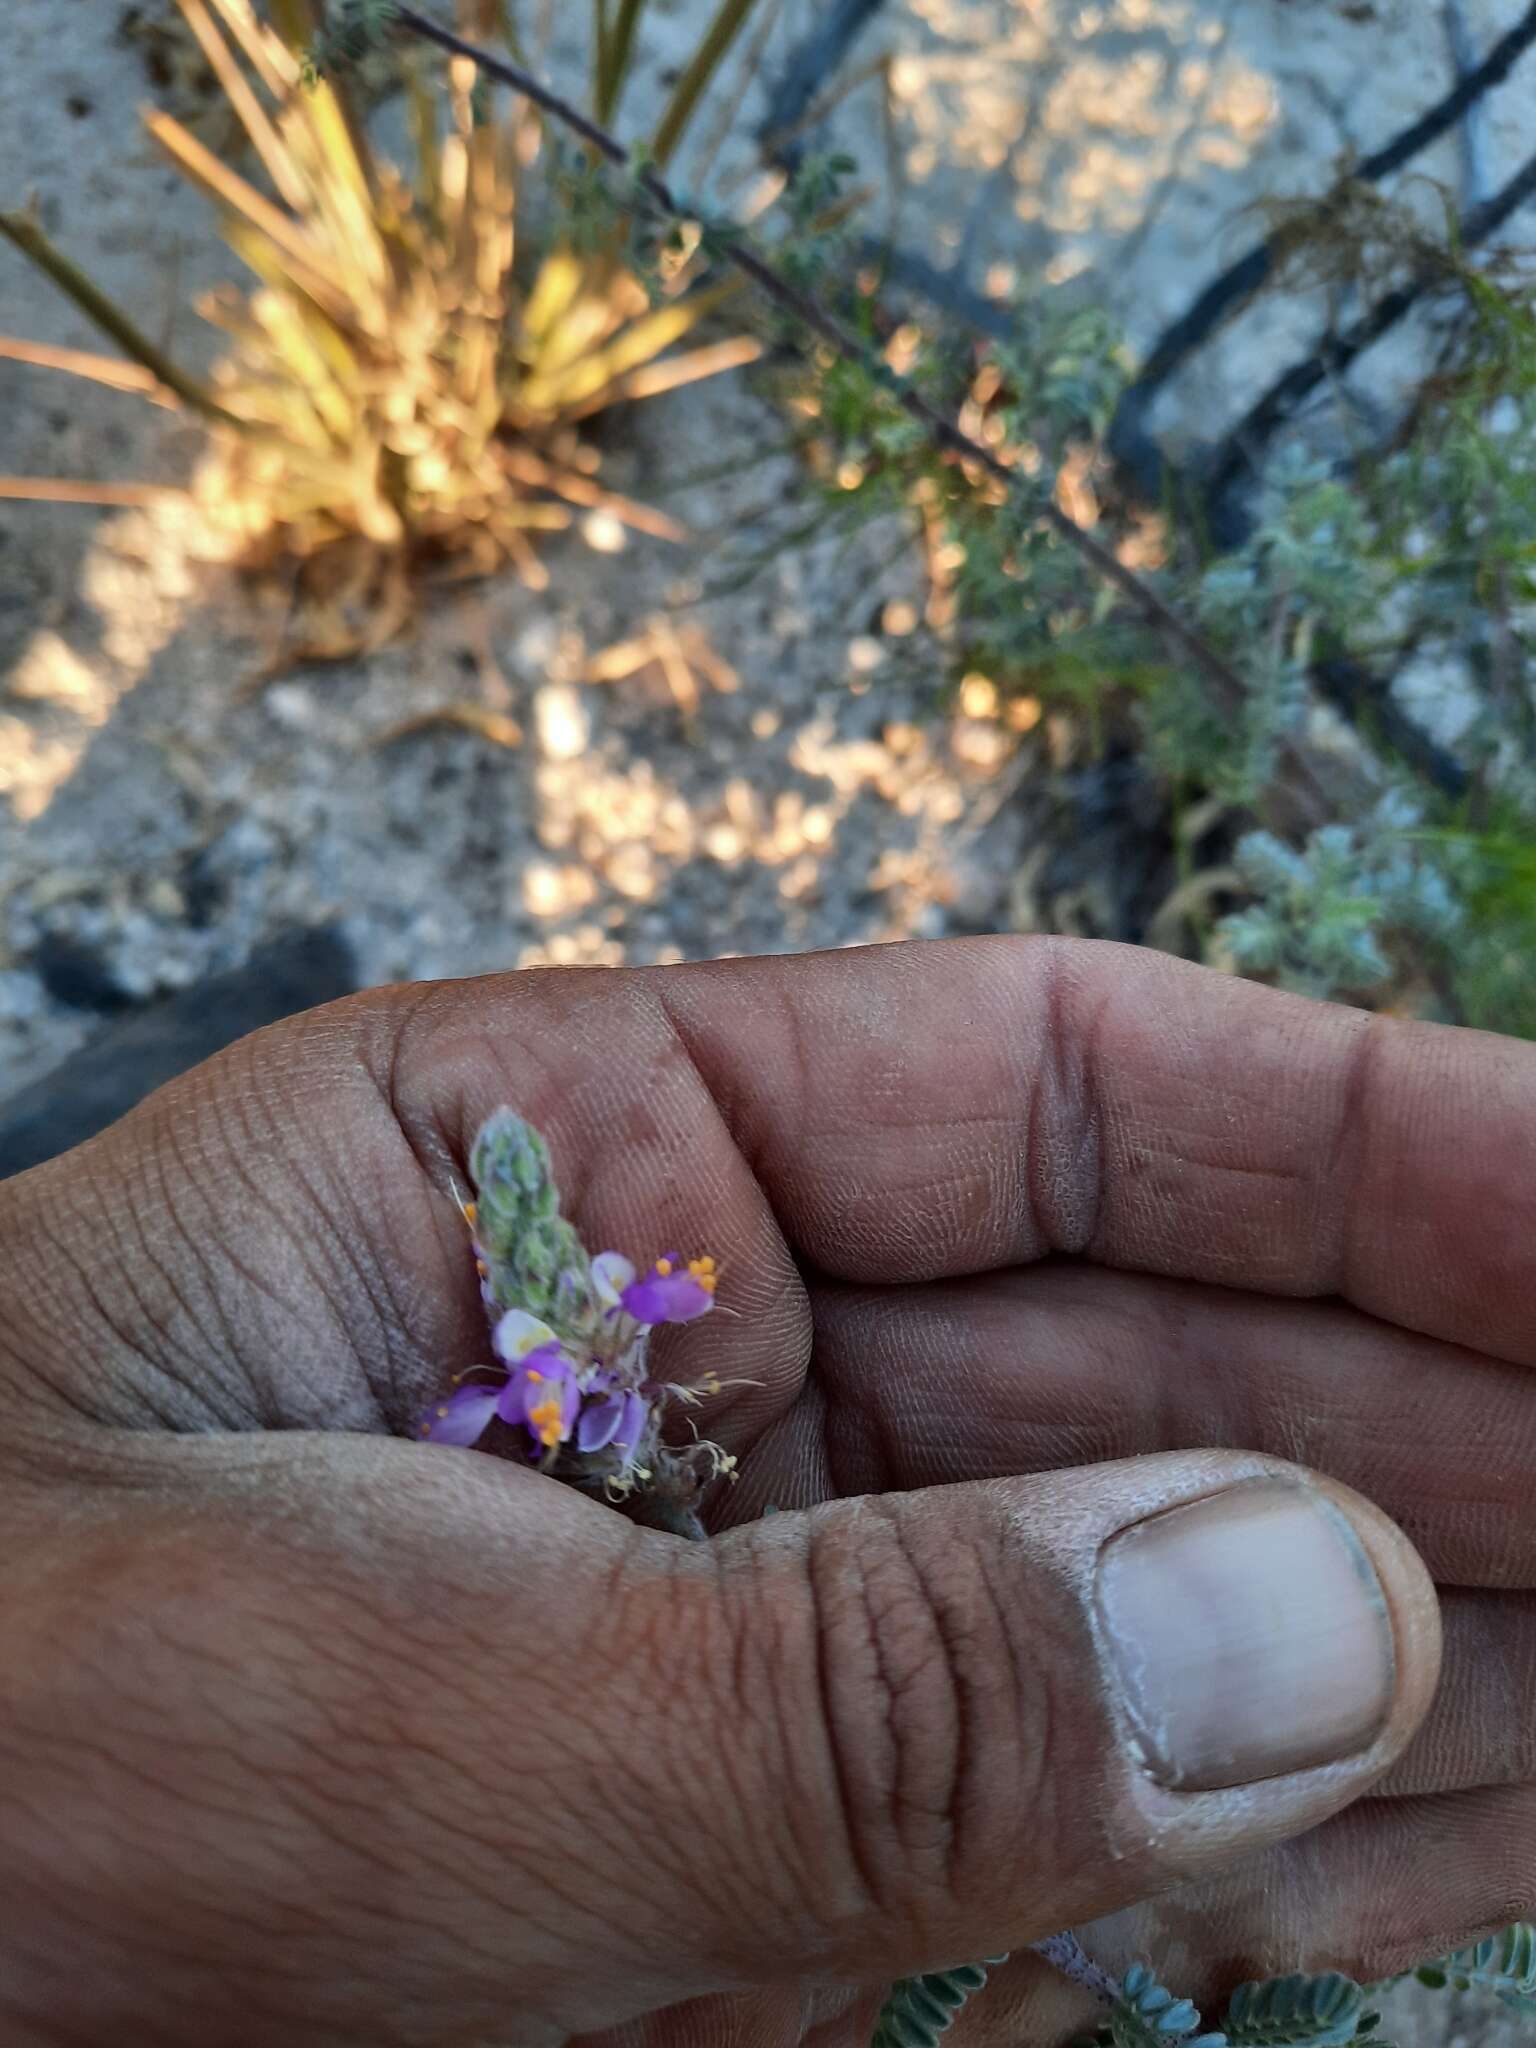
point(406, 387)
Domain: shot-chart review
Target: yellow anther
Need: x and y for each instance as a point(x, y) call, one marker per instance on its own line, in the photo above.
point(471, 1211)
point(545, 1419)
point(482, 1268)
point(703, 1270)
point(535, 1378)
point(441, 1413)
point(663, 1267)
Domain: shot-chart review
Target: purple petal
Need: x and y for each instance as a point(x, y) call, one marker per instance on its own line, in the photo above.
point(599, 1423)
point(670, 1296)
point(461, 1419)
point(632, 1428)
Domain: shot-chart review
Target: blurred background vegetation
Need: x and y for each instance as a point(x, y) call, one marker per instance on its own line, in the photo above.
point(424, 385)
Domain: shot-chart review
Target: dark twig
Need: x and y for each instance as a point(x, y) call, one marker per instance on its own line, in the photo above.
point(1223, 679)
point(1366, 700)
point(1239, 454)
point(1238, 283)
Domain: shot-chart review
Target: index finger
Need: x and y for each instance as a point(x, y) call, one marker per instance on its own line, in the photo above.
point(919, 1111)
point(278, 1224)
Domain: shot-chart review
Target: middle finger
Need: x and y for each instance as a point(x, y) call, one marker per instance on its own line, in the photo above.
point(1066, 1364)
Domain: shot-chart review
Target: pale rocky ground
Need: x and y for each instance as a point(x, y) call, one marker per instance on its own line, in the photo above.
point(820, 791)
point(156, 813)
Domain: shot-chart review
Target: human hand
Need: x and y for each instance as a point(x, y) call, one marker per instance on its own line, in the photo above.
point(311, 1736)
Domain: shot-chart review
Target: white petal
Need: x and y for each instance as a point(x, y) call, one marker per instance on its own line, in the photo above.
point(518, 1333)
point(611, 1274)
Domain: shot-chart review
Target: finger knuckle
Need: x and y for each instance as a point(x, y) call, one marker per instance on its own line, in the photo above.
point(940, 1721)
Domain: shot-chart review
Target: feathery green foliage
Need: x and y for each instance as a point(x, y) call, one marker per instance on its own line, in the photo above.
point(1148, 2015)
point(1419, 558)
point(1328, 2010)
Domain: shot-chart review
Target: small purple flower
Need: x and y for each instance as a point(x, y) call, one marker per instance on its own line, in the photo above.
point(577, 1389)
point(632, 1426)
point(543, 1394)
point(672, 1291)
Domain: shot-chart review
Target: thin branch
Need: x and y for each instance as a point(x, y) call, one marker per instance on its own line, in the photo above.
point(1366, 699)
point(1238, 283)
point(942, 432)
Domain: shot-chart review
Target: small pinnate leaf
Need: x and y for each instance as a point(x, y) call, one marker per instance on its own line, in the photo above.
point(1503, 1963)
point(1148, 2015)
point(920, 2009)
point(1285, 2012)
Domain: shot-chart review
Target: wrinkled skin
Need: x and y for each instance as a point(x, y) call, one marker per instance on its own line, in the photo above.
point(297, 1721)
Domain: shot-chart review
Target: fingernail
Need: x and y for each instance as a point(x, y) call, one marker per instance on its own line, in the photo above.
point(1248, 1635)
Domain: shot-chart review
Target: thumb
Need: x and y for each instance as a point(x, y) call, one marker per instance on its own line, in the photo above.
point(325, 1738)
point(964, 1718)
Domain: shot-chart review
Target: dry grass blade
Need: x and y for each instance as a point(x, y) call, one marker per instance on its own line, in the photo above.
point(674, 372)
point(253, 117)
point(227, 188)
point(57, 490)
point(529, 468)
point(78, 362)
point(28, 237)
point(496, 726)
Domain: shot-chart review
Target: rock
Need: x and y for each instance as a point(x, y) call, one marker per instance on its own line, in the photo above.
point(141, 1051)
point(75, 974)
